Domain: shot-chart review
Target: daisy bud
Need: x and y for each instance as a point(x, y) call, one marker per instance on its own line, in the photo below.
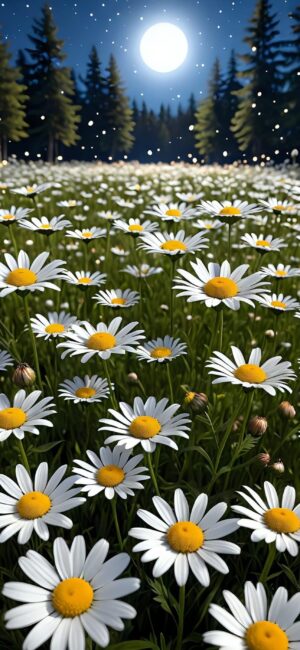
point(237, 423)
point(164, 307)
point(132, 378)
point(257, 425)
point(23, 375)
point(196, 401)
point(278, 466)
point(287, 410)
point(264, 458)
point(270, 334)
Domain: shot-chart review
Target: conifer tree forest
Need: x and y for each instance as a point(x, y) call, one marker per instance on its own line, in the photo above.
point(251, 108)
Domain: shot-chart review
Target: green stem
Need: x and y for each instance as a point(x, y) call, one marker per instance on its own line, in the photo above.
point(224, 442)
point(180, 617)
point(221, 325)
point(268, 563)
point(172, 273)
point(116, 522)
point(24, 456)
point(111, 390)
point(241, 435)
point(14, 243)
point(152, 473)
point(107, 248)
point(229, 243)
point(33, 342)
point(170, 382)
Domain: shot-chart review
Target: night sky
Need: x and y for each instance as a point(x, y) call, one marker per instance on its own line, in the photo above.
point(212, 27)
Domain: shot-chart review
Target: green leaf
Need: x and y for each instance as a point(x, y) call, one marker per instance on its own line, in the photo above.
point(43, 448)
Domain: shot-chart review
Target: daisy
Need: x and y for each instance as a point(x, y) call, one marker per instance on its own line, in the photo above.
point(46, 226)
point(31, 190)
point(28, 506)
point(218, 285)
point(117, 298)
point(25, 414)
point(84, 279)
point(56, 324)
point(70, 203)
point(280, 272)
point(142, 271)
point(13, 214)
point(20, 275)
point(135, 227)
point(88, 389)
point(279, 303)
point(187, 540)
point(171, 212)
point(255, 626)
point(115, 472)
point(189, 197)
point(78, 594)
point(270, 520)
point(161, 350)
point(172, 243)
point(119, 251)
point(87, 234)
point(271, 375)
point(148, 424)
point(227, 211)
point(214, 224)
point(101, 340)
point(109, 215)
point(5, 360)
point(262, 243)
point(276, 205)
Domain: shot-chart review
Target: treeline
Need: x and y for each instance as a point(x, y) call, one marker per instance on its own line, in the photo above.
point(252, 110)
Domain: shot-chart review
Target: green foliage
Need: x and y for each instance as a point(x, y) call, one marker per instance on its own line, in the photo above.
point(118, 113)
point(13, 125)
point(208, 125)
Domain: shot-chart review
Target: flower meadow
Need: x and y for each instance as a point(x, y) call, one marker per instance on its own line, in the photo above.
point(149, 486)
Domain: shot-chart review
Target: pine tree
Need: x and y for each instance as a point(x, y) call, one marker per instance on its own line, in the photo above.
point(119, 120)
point(51, 88)
point(230, 106)
point(259, 100)
point(12, 103)
point(208, 119)
point(292, 61)
point(94, 104)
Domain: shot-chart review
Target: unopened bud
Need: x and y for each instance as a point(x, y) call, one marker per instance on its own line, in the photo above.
point(237, 423)
point(257, 425)
point(132, 378)
point(278, 466)
point(23, 375)
point(196, 401)
point(270, 334)
point(287, 410)
point(264, 458)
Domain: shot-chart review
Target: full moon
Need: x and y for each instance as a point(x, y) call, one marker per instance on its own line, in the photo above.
point(163, 47)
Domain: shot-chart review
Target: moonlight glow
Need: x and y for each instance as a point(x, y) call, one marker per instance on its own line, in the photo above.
point(164, 47)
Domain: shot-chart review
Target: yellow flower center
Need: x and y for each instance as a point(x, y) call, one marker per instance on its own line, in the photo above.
point(208, 226)
point(221, 288)
point(173, 245)
point(72, 597)
point(110, 475)
point(278, 303)
point(263, 242)
point(45, 226)
point(174, 213)
point(33, 505)
point(30, 189)
point(12, 418)
point(160, 353)
point(72, 203)
point(87, 235)
point(118, 301)
point(84, 280)
point(135, 228)
point(85, 392)
point(185, 537)
point(279, 207)
point(144, 427)
point(281, 274)
point(21, 277)
point(55, 328)
point(265, 635)
point(101, 341)
point(282, 520)
point(230, 211)
point(251, 373)
point(189, 397)
point(8, 217)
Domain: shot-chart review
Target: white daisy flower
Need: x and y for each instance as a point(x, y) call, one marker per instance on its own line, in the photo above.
point(142, 271)
point(109, 215)
point(114, 471)
point(255, 626)
point(84, 279)
point(187, 540)
point(119, 251)
point(269, 376)
point(87, 233)
point(13, 214)
point(55, 325)
point(5, 360)
point(117, 298)
point(264, 243)
point(279, 303)
point(213, 224)
point(135, 227)
point(20, 275)
point(189, 197)
point(171, 212)
point(28, 506)
point(280, 272)
point(227, 211)
point(173, 243)
point(88, 389)
point(148, 424)
point(31, 190)
point(276, 205)
point(78, 595)
point(46, 226)
point(218, 285)
point(26, 414)
point(161, 349)
point(271, 520)
point(70, 203)
point(102, 340)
